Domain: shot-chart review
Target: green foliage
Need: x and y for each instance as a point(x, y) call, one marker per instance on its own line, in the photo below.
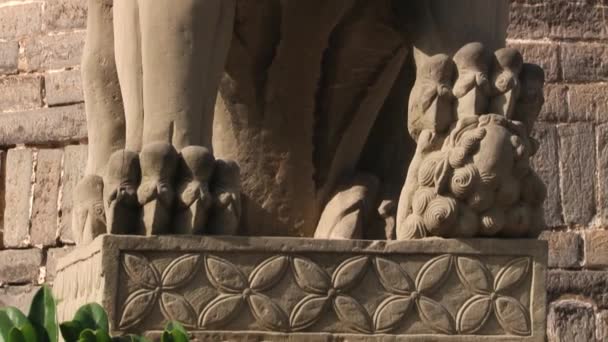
point(90, 324)
point(43, 315)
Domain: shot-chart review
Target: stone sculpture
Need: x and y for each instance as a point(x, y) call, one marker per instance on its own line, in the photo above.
point(474, 179)
point(151, 72)
point(301, 173)
point(307, 138)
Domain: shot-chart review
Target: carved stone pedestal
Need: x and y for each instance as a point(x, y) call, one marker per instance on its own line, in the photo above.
point(278, 289)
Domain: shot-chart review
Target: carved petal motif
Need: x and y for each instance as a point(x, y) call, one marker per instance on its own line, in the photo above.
point(307, 312)
point(435, 316)
point(391, 312)
point(177, 308)
point(511, 274)
point(352, 314)
point(224, 275)
point(268, 273)
point(350, 272)
point(393, 277)
point(310, 277)
point(140, 270)
point(267, 313)
point(137, 307)
point(474, 275)
point(512, 316)
point(433, 273)
point(220, 311)
point(180, 271)
point(473, 314)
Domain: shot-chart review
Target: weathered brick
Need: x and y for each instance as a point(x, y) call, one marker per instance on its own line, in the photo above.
point(43, 126)
point(75, 158)
point(602, 172)
point(584, 62)
point(556, 103)
point(546, 55)
point(571, 321)
point(64, 88)
point(52, 256)
point(564, 249)
point(18, 191)
point(19, 297)
point(546, 164)
point(602, 325)
point(590, 284)
point(65, 15)
point(577, 172)
point(18, 266)
point(18, 93)
point(43, 229)
point(20, 20)
point(557, 19)
point(55, 51)
point(596, 248)
point(588, 102)
point(9, 57)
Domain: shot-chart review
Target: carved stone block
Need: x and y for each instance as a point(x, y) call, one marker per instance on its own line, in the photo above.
point(274, 289)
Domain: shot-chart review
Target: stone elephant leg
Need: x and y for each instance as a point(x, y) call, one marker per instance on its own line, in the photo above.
point(184, 45)
point(105, 119)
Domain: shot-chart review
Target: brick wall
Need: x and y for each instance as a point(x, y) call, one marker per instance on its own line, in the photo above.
point(42, 126)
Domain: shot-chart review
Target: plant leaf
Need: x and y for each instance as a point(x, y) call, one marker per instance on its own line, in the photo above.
point(268, 273)
point(220, 311)
point(70, 330)
point(5, 326)
point(512, 316)
point(308, 311)
point(474, 275)
point(139, 269)
point(43, 314)
point(177, 332)
point(435, 316)
point(352, 314)
point(473, 314)
point(267, 313)
point(391, 312)
point(512, 274)
point(176, 308)
point(393, 277)
point(15, 335)
point(224, 275)
point(310, 277)
point(180, 271)
point(92, 316)
point(350, 272)
point(433, 273)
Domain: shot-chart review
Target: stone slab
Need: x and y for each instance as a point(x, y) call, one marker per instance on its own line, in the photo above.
point(274, 289)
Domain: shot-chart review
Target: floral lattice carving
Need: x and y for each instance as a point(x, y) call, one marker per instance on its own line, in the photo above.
point(490, 296)
point(410, 299)
point(155, 286)
point(237, 289)
point(324, 291)
point(405, 294)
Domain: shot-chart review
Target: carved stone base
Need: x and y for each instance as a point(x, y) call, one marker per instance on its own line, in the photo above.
point(275, 289)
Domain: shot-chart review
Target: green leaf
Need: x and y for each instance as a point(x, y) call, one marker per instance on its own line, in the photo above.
point(5, 326)
point(176, 332)
point(130, 338)
point(87, 335)
point(166, 337)
point(43, 314)
point(70, 331)
point(15, 335)
point(92, 316)
point(11, 318)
